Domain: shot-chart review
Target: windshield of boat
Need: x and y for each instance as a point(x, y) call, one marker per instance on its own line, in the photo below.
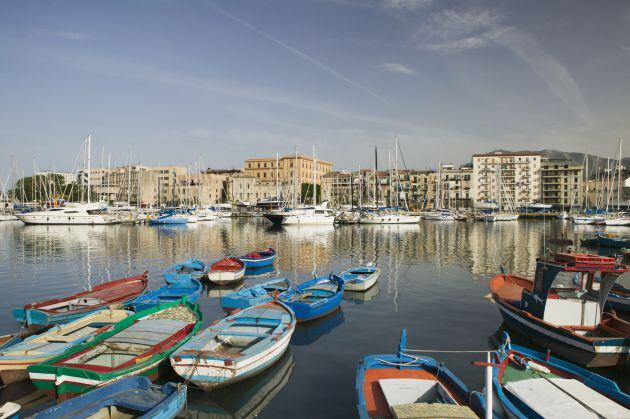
point(568, 284)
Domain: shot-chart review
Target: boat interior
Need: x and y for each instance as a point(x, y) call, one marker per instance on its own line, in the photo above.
point(122, 349)
point(316, 292)
point(73, 304)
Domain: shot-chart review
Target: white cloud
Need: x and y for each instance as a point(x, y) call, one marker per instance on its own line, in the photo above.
point(398, 68)
point(69, 36)
point(405, 4)
point(454, 31)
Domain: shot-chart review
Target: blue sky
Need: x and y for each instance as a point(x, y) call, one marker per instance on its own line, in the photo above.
point(174, 81)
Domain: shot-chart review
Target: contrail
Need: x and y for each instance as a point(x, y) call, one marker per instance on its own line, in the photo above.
point(299, 53)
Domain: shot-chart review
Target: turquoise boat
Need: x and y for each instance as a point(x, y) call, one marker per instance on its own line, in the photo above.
point(184, 271)
point(255, 295)
point(191, 289)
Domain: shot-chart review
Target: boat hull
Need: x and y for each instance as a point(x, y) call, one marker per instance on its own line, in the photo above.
point(611, 352)
point(305, 311)
point(391, 219)
point(225, 277)
point(35, 219)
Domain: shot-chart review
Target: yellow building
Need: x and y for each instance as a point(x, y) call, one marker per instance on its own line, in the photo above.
point(289, 168)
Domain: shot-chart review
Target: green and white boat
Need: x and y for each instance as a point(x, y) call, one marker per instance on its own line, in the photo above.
point(137, 345)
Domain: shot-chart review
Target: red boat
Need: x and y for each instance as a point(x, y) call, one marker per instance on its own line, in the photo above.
point(562, 308)
point(67, 309)
point(226, 270)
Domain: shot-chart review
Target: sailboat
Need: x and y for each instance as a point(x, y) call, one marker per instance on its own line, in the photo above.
point(585, 217)
point(438, 213)
point(89, 213)
point(620, 218)
point(303, 214)
point(395, 215)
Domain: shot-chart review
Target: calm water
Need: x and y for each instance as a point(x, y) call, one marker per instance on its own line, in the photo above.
point(433, 282)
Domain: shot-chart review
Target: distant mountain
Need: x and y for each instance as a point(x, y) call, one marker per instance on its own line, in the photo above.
point(576, 157)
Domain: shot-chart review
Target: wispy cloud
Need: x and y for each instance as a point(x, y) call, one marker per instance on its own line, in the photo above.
point(454, 31)
point(393, 5)
point(68, 36)
point(398, 68)
point(300, 54)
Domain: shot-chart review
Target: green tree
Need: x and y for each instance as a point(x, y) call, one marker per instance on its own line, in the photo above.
point(307, 193)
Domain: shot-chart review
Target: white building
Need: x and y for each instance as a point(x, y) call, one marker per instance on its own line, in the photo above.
point(516, 175)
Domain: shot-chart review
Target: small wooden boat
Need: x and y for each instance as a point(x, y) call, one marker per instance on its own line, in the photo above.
point(38, 348)
point(315, 298)
point(255, 295)
point(612, 241)
point(563, 308)
point(402, 385)
point(226, 270)
point(64, 310)
point(190, 269)
point(137, 345)
point(531, 384)
point(361, 278)
point(259, 259)
point(130, 397)
point(190, 289)
point(6, 341)
point(237, 347)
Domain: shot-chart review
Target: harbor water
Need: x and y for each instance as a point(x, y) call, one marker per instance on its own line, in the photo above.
point(434, 277)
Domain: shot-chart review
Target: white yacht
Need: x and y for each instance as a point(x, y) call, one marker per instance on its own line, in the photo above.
point(440, 215)
point(582, 219)
point(315, 215)
point(389, 218)
point(90, 214)
point(621, 219)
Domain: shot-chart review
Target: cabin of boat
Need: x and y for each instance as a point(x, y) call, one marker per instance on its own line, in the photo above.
point(567, 297)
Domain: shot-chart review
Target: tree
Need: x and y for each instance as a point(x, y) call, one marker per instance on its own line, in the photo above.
point(307, 193)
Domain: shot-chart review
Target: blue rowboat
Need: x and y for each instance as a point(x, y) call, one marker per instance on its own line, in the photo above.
point(388, 383)
point(38, 348)
point(315, 298)
point(190, 289)
point(67, 309)
point(531, 384)
point(134, 395)
point(361, 278)
point(259, 259)
point(255, 295)
point(237, 347)
point(192, 268)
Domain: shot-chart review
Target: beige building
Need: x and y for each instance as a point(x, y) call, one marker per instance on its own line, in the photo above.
point(288, 168)
point(516, 175)
point(562, 183)
point(244, 188)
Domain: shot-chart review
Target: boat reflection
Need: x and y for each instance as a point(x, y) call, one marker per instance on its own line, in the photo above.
point(356, 297)
point(216, 291)
point(308, 332)
point(262, 272)
point(246, 399)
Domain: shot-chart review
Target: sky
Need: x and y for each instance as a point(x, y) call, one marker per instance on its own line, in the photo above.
point(217, 82)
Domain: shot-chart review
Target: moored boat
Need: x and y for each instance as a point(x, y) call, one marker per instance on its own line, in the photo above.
point(137, 345)
point(441, 215)
point(612, 241)
point(226, 270)
point(530, 384)
point(259, 258)
point(360, 278)
point(37, 348)
point(315, 298)
point(255, 295)
point(237, 347)
point(169, 217)
point(191, 289)
point(402, 385)
point(67, 309)
point(563, 308)
point(184, 271)
point(130, 397)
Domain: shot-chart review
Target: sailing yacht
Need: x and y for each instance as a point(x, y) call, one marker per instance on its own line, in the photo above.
point(439, 213)
point(90, 214)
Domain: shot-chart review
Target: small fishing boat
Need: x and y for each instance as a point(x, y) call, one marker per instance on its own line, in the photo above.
point(67, 309)
point(38, 348)
point(6, 341)
point(137, 345)
point(403, 385)
point(226, 270)
point(531, 384)
point(190, 289)
point(255, 295)
point(259, 259)
point(315, 298)
point(612, 241)
point(619, 298)
point(562, 308)
point(190, 269)
point(237, 347)
point(361, 278)
point(130, 397)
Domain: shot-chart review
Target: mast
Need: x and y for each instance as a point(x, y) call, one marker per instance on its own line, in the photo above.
point(360, 189)
point(619, 179)
point(277, 178)
point(375, 177)
point(89, 189)
point(313, 168)
point(129, 178)
point(397, 176)
point(389, 176)
point(295, 179)
point(438, 196)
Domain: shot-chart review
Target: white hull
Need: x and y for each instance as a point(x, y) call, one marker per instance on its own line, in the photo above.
point(7, 217)
point(206, 217)
point(439, 217)
point(308, 220)
point(488, 218)
point(391, 219)
point(192, 219)
point(217, 373)
point(506, 216)
point(620, 221)
point(225, 277)
point(582, 220)
point(67, 219)
point(365, 285)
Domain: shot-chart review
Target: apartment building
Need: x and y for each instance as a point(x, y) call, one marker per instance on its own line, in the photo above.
point(287, 168)
point(516, 176)
point(562, 183)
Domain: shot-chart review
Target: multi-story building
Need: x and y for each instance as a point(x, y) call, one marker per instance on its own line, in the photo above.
point(515, 176)
point(562, 183)
point(243, 188)
point(288, 169)
point(68, 178)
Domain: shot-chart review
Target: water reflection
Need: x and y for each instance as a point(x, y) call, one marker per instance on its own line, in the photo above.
point(241, 400)
point(308, 332)
point(357, 297)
